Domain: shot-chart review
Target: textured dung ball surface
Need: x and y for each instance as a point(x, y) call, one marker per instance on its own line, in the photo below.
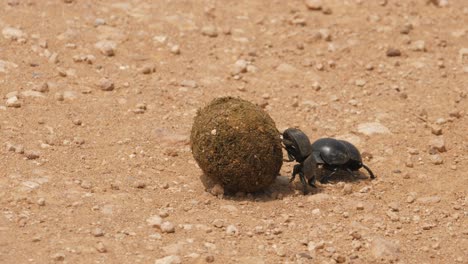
point(236, 144)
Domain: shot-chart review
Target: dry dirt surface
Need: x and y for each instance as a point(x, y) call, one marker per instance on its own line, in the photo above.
point(97, 100)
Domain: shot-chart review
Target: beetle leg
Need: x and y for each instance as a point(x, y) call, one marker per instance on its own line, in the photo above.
point(351, 173)
point(297, 169)
point(303, 181)
point(290, 158)
point(310, 170)
point(311, 182)
point(325, 178)
point(368, 170)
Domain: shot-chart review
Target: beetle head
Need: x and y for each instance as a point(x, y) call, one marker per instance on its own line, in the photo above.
point(297, 144)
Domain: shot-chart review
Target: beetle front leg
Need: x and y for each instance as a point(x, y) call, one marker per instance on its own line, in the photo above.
point(303, 181)
point(296, 170)
point(369, 170)
point(312, 182)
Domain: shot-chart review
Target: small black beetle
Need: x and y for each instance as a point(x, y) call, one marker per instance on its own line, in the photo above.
point(335, 154)
point(332, 154)
point(298, 146)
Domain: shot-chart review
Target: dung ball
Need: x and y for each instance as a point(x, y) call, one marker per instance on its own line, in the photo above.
point(236, 144)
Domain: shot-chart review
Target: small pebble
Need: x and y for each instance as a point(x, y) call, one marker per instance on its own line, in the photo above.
point(325, 34)
point(99, 22)
point(409, 163)
point(239, 67)
point(189, 83)
point(232, 230)
point(12, 33)
point(218, 223)
point(167, 227)
point(175, 49)
point(58, 257)
point(101, 248)
point(347, 189)
point(359, 206)
point(106, 84)
point(77, 122)
point(31, 154)
point(413, 151)
point(19, 149)
point(41, 202)
point(59, 96)
point(455, 113)
point(43, 88)
point(13, 102)
point(439, 3)
point(86, 185)
point(339, 258)
point(97, 232)
point(365, 189)
point(436, 130)
point(313, 4)
point(419, 45)
point(360, 82)
point(392, 52)
point(148, 69)
point(210, 258)
point(436, 159)
point(173, 259)
point(154, 221)
point(393, 216)
point(106, 47)
point(437, 145)
point(406, 29)
point(210, 31)
point(394, 206)
point(62, 72)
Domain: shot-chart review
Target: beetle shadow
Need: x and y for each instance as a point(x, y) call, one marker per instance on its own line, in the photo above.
point(343, 176)
point(278, 190)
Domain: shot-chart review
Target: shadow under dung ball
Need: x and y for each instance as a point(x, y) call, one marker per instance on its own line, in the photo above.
point(236, 144)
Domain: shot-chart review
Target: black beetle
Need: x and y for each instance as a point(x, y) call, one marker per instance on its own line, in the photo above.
point(334, 154)
point(298, 146)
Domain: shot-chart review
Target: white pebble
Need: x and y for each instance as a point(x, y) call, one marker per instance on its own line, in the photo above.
point(154, 221)
point(210, 31)
point(167, 227)
point(12, 33)
point(173, 259)
point(13, 102)
point(232, 230)
point(175, 49)
point(106, 47)
point(372, 128)
point(313, 4)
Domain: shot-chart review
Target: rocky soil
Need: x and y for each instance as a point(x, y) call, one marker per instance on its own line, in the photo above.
point(97, 100)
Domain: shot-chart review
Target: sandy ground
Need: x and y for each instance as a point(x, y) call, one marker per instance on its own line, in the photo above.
point(97, 104)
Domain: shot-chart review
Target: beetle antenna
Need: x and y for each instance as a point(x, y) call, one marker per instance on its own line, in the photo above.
point(369, 170)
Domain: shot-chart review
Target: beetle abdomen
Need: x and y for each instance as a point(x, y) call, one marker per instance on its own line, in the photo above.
point(332, 151)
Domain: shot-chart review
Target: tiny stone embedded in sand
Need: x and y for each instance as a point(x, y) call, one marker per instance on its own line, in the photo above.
point(106, 47)
point(106, 84)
